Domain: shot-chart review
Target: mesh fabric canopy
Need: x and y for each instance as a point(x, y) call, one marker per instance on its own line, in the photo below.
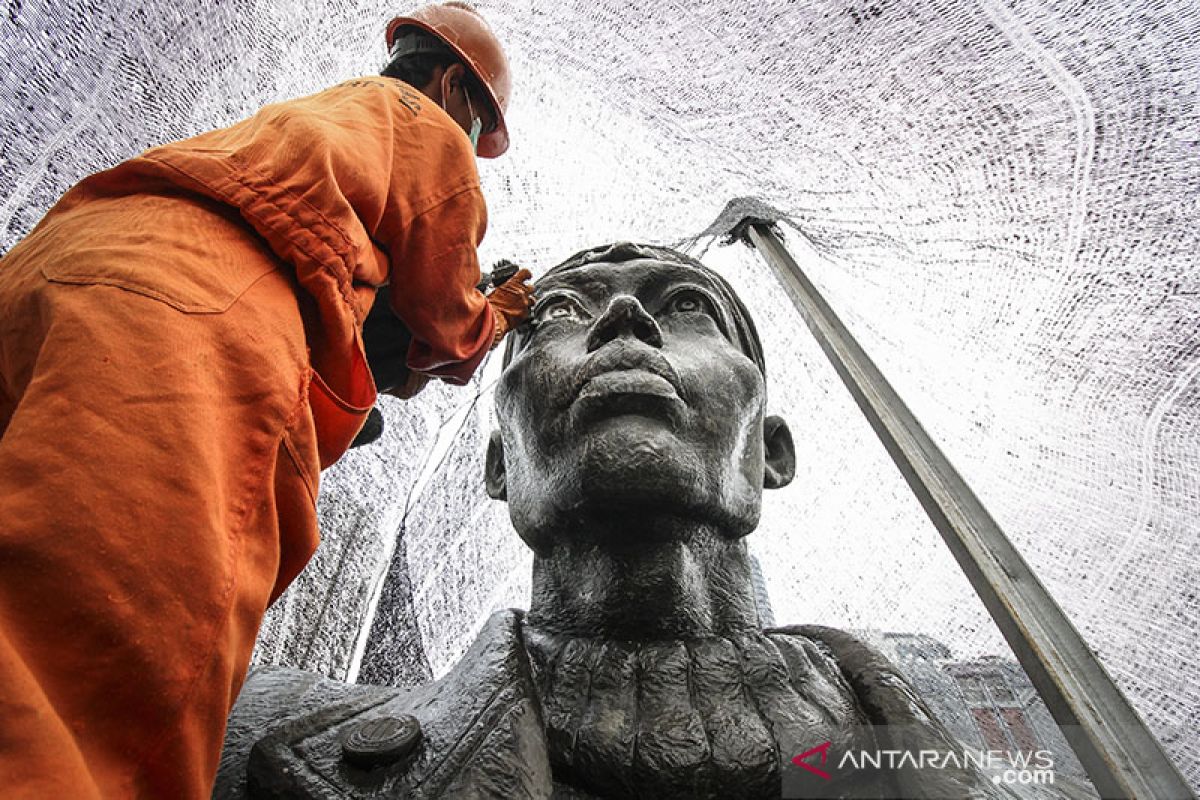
point(998, 197)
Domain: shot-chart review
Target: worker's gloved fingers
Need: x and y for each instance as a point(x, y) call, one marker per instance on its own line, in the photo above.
point(503, 326)
point(511, 302)
point(511, 305)
point(516, 285)
point(520, 306)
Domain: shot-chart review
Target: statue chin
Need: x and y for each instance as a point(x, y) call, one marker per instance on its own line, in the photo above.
point(627, 470)
point(632, 464)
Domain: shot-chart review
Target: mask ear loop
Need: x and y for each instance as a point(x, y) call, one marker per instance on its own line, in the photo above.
point(476, 123)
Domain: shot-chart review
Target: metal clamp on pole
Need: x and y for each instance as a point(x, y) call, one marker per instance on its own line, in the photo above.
point(1121, 756)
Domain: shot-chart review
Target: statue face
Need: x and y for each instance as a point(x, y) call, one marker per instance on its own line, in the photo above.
point(630, 399)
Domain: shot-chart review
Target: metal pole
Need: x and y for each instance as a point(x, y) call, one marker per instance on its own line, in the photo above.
point(1121, 756)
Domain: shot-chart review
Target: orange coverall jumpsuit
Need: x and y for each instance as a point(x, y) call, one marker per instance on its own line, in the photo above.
point(180, 355)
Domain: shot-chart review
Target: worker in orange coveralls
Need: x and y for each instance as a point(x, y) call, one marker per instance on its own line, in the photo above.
point(180, 355)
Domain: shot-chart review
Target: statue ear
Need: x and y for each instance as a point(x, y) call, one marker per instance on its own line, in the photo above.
point(779, 453)
point(494, 475)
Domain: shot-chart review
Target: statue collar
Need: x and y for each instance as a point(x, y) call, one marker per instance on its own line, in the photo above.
point(516, 702)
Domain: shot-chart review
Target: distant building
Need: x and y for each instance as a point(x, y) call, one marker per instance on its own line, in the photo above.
point(988, 703)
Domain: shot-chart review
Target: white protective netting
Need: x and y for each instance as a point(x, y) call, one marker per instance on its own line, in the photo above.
point(999, 197)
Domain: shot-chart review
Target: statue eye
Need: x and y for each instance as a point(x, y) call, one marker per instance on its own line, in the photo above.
point(559, 308)
point(689, 302)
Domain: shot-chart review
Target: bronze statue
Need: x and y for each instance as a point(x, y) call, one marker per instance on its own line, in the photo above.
point(632, 452)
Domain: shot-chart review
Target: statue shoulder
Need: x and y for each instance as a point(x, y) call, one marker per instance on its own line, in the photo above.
point(882, 689)
point(270, 698)
point(476, 730)
point(900, 718)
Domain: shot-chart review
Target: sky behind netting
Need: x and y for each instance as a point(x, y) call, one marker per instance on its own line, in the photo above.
point(999, 198)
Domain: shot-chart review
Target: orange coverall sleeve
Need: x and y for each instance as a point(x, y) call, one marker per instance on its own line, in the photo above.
point(381, 179)
point(429, 296)
point(419, 197)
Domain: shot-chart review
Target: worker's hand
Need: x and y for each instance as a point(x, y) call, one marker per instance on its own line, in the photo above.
point(371, 430)
point(511, 302)
point(412, 386)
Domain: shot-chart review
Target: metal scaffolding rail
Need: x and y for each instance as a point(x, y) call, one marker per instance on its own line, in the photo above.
point(1121, 756)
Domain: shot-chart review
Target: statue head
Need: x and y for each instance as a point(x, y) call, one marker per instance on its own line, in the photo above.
point(636, 392)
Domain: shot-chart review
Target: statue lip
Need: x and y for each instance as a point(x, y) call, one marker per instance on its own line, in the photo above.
point(619, 382)
point(624, 378)
point(624, 368)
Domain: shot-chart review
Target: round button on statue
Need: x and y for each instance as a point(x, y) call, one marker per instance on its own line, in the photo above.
point(384, 740)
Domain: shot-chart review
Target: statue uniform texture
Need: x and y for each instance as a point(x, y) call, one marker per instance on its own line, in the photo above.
point(712, 718)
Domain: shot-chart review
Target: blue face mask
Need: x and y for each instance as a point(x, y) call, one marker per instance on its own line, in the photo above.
point(476, 126)
point(476, 123)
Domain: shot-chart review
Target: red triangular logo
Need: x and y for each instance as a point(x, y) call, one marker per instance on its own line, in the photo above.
point(823, 750)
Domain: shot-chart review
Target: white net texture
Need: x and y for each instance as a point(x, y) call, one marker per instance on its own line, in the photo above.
point(999, 197)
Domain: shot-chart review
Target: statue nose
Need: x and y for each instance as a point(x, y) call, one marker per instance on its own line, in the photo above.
point(624, 316)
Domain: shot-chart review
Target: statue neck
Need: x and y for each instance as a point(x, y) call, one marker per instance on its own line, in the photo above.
point(647, 579)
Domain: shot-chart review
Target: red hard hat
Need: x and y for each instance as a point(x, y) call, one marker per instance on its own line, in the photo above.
point(470, 38)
